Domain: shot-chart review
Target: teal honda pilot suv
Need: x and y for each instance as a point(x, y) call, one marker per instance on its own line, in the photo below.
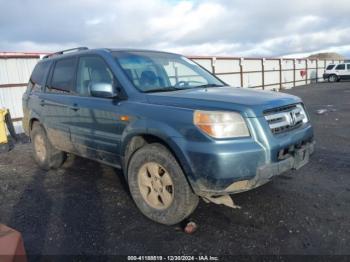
point(177, 131)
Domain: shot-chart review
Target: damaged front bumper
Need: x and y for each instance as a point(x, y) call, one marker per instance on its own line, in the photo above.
point(264, 174)
point(257, 175)
point(226, 167)
point(298, 159)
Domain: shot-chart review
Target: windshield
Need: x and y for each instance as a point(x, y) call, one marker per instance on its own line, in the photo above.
point(159, 72)
point(330, 67)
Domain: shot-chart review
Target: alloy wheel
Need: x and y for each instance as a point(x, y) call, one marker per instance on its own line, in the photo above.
point(156, 185)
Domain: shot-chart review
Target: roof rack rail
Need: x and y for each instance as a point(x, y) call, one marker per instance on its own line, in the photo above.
point(81, 48)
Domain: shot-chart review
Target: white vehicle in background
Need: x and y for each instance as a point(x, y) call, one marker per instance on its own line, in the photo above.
point(337, 72)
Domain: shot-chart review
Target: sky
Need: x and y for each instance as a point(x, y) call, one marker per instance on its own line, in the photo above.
point(269, 28)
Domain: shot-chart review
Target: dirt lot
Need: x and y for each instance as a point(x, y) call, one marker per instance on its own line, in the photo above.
point(84, 207)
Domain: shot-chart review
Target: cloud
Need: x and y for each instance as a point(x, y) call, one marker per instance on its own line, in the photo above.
point(184, 20)
point(207, 27)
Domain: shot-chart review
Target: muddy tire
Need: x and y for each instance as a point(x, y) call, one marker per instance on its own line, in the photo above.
point(158, 185)
point(45, 154)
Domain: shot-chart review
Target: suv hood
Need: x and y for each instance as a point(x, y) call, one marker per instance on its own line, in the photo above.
point(251, 103)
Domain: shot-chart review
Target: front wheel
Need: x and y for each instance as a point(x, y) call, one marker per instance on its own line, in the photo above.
point(158, 185)
point(333, 78)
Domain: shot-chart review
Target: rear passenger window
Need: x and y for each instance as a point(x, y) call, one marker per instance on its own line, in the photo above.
point(340, 67)
point(63, 75)
point(38, 76)
point(348, 66)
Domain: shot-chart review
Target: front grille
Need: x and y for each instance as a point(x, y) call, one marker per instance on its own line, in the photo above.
point(286, 118)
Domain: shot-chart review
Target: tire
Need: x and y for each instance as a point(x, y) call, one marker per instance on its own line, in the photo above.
point(144, 186)
point(333, 78)
point(45, 154)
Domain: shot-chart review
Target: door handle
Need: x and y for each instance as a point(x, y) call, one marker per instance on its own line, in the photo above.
point(42, 102)
point(74, 107)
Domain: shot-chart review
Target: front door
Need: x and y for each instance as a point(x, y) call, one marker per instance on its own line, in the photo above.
point(96, 127)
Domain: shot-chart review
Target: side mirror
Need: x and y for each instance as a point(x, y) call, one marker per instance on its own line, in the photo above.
point(105, 90)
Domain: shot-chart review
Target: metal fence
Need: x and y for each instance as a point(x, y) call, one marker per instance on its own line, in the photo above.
point(15, 70)
point(265, 73)
point(260, 73)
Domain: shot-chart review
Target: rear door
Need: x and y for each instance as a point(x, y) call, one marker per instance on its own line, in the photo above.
point(96, 127)
point(56, 103)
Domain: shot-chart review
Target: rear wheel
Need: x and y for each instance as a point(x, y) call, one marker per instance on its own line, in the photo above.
point(45, 154)
point(333, 78)
point(158, 185)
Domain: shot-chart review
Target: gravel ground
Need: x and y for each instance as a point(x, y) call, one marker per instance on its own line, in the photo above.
point(85, 207)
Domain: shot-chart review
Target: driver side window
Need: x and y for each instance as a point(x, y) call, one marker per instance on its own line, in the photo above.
point(92, 70)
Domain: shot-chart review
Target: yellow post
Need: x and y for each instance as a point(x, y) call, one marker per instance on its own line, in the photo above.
point(3, 135)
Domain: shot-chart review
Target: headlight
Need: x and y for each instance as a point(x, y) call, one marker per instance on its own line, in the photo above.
point(221, 124)
point(303, 113)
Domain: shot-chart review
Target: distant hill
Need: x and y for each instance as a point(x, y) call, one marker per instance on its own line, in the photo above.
point(327, 56)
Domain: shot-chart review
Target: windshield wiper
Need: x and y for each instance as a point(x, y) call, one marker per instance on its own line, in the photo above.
point(174, 88)
point(208, 85)
point(163, 89)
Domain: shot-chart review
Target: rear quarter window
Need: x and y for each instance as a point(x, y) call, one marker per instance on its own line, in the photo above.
point(39, 75)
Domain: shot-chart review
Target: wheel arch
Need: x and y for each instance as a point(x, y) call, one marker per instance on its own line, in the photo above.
point(32, 118)
point(136, 141)
point(31, 122)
